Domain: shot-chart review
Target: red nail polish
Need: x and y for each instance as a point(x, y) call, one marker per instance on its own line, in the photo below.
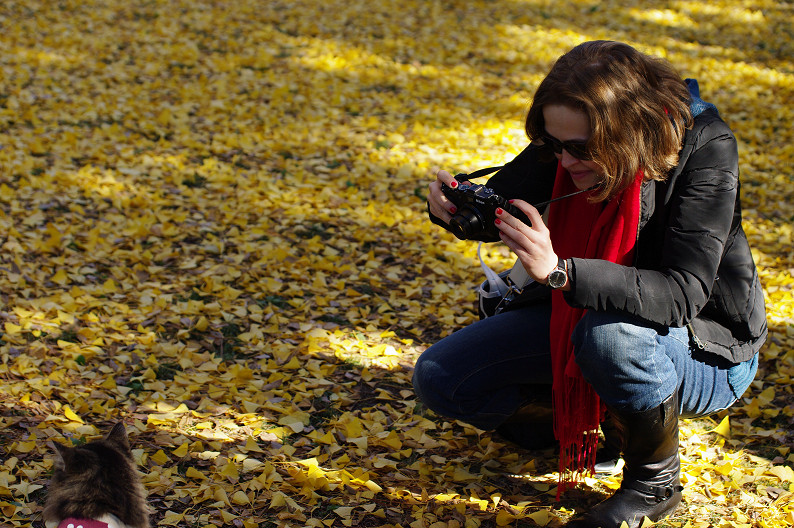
point(511, 201)
point(497, 221)
point(499, 211)
point(453, 184)
point(453, 210)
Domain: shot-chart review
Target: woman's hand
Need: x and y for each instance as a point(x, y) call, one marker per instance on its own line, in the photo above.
point(530, 243)
point(440, 205)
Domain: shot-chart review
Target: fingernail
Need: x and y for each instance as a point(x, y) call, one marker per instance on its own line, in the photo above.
point(511, 201)
point(453, 184)
point(499, 211)
point(497, 221)
point(453, 210)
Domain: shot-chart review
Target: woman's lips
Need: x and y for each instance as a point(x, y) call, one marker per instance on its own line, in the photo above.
point(580, 175)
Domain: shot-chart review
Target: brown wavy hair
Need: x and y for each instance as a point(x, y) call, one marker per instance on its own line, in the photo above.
point(637, 104)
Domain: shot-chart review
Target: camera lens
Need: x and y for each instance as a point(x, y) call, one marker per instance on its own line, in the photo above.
point(466, 223)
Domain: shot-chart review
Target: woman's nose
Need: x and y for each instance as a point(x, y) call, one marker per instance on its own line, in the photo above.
point(567, 160)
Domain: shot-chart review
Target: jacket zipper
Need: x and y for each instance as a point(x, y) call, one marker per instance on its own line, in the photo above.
point(695, 338)
point(637, 236)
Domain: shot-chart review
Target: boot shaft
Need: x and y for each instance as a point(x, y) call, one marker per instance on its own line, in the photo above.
point(649, 436)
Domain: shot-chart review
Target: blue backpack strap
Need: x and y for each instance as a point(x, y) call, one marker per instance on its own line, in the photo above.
point(697, 105)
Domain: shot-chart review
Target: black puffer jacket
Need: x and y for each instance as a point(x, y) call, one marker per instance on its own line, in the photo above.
point(693, 265)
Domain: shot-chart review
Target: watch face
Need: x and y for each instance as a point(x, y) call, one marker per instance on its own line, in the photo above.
point(557, 278)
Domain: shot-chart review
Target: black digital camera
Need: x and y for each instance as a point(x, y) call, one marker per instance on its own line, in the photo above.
point(476, 205)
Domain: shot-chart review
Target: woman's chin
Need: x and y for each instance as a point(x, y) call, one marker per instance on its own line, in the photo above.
point(583, 180)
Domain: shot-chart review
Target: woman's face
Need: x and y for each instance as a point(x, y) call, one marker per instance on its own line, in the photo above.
point(565, 123)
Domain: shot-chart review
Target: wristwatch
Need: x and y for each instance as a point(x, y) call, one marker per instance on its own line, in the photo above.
point(559, 275)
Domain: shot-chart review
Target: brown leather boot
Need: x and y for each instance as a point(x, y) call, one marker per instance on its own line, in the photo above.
point(651, 484)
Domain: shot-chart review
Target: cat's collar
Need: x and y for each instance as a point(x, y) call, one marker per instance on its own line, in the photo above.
point(82, 523)
point(105, 521)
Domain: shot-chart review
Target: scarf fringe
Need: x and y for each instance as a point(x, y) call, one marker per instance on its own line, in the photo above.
point(578, 435)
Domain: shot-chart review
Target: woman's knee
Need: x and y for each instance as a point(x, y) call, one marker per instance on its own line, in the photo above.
point(606, 344)
point(436, 377)
point(598, 335)
point(425, 370)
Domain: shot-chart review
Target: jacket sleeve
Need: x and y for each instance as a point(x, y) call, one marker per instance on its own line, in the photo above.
point(528, 177)
point(698, 211)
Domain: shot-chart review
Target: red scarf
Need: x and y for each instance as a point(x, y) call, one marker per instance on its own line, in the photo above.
point(604, 231)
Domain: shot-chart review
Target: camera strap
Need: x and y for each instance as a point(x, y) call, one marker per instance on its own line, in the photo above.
point(496, 284)
point(479, 173)
point(517, 280)
point(507, 286)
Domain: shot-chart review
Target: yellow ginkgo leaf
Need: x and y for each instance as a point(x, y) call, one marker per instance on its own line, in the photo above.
point(71, 415)
point(724, 427)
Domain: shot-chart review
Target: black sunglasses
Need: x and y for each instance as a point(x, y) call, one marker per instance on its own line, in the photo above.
point(577, 149)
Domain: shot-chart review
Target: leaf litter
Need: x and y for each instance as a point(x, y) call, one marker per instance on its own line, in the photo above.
point(212, 226)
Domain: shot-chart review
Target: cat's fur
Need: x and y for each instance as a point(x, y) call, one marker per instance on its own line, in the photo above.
point(98, 480)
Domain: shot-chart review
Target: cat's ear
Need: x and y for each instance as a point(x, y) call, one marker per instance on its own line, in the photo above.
point(63, 455)
point(118, 436)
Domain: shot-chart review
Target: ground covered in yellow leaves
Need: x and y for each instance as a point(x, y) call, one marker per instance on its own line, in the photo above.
point(212, 227)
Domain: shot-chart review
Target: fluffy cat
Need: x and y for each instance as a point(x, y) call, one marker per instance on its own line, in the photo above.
point(96, 485)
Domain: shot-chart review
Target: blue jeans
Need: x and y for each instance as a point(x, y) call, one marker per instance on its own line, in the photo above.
point(486, 371)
